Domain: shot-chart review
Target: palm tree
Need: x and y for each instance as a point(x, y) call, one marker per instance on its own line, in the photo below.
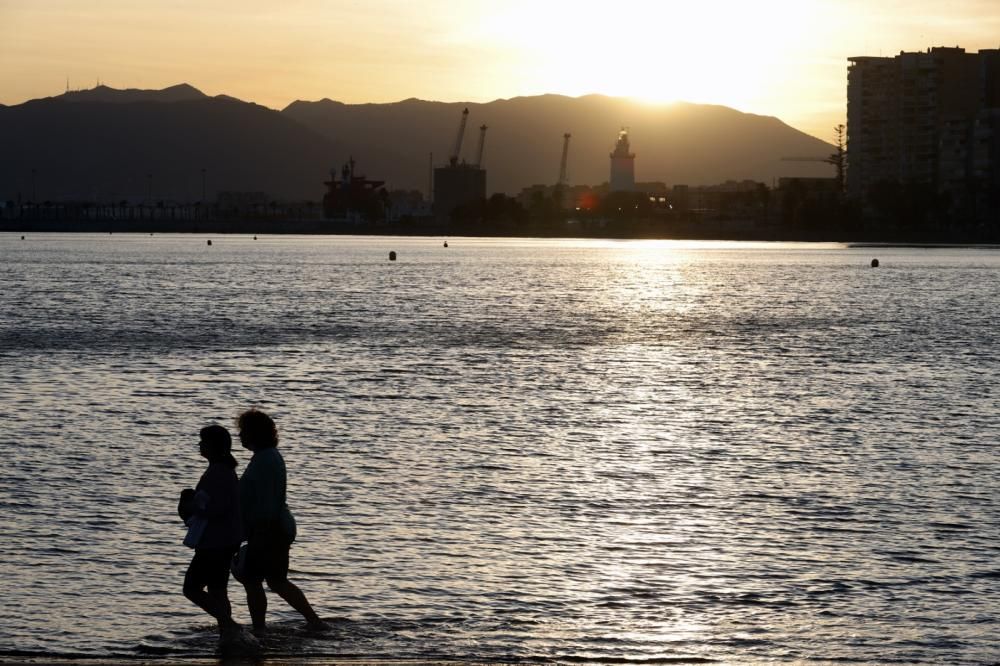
point(839, 158)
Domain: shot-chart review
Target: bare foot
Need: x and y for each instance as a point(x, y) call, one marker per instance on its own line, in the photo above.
point(317, 626)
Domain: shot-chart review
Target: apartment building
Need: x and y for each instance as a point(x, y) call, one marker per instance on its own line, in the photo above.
point(927, 118)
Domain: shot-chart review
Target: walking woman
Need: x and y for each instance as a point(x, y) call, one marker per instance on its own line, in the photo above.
point(267, 522)
point(212, 513)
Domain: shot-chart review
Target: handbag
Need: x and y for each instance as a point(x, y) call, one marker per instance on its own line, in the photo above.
point(196, 530)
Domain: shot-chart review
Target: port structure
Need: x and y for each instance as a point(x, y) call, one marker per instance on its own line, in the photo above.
point(458, 184)
point(565, 156)
point(457, 149)
point(560, 191)
point(482, 144)
point(353, 198)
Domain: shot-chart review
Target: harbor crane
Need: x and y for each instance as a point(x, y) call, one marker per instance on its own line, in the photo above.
point(828, 160)
point(453, 158)
point(482, 143)
point(836, 159)
point(562, 163)
point(559, 194)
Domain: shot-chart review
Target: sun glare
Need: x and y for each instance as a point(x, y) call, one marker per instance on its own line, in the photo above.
point(710, 52)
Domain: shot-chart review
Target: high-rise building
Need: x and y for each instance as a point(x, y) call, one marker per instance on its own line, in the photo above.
point(622, 165)
point(924, 118)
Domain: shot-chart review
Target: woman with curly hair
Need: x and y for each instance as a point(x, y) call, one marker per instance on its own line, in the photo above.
point(268, 524)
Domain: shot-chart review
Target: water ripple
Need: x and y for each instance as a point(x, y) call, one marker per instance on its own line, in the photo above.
point(593, 452)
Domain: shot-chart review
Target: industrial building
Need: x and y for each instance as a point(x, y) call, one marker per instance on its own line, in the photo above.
point(457, 183)
point(353, 198)
point(929, 118)
point(622, 165)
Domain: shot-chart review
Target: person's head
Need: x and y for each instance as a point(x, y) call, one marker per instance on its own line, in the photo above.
point(215, 444)
point(257, 430)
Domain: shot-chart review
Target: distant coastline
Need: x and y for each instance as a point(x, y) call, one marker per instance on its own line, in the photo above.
point(738, 230)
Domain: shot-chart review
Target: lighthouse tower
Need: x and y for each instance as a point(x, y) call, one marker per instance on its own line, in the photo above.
point(622, 165)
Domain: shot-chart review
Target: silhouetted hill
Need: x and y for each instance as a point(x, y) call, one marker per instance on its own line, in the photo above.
point(100, 144)
point(103, 149)
point(179, 93)
point(679, 143)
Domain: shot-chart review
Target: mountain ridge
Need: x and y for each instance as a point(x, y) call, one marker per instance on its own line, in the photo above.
point(104, 142)
point(110, 151)
point(680, 143)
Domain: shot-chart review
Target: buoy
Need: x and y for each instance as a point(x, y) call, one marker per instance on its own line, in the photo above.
point(255, 238)
point(209, 241)
point(392, 255)
point(446, 243)
point(874, 263)
point(22, 237)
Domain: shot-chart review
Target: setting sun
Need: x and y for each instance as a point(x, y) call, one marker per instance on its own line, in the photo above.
point(776, 57)
point(656, 53)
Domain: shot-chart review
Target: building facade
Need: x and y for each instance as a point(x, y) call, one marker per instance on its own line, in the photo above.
point(457, 185)
point(924, 118)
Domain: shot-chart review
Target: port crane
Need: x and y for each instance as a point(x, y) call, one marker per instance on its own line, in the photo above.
point(837, 159)
point(559, 194)
point(562, 163)
point(453, 158)
point(482, 143)
point(828, 160)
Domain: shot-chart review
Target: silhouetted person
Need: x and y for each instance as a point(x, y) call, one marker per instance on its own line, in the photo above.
point(267, 522)
point(212, 514)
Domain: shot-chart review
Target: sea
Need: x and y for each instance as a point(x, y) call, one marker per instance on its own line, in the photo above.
point(517, 450)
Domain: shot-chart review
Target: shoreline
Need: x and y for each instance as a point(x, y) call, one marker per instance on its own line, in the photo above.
point(858, 241)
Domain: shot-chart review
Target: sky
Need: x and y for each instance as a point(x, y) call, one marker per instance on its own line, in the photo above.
point(784, 58)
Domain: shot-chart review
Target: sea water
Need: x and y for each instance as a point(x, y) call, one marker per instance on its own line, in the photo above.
point(513, 449)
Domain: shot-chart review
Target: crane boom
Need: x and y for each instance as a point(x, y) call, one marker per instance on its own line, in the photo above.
point(482, 143)
point(565, 155)
point(458, 139)
point(828, 160)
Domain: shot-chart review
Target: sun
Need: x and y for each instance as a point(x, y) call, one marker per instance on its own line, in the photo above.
point(709, 52)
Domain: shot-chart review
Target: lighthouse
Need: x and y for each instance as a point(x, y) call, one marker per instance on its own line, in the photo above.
point(622, 165)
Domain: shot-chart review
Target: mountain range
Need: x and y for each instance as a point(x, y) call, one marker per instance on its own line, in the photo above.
point(108, 144)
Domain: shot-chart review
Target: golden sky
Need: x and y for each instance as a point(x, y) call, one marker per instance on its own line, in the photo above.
point(786, 58)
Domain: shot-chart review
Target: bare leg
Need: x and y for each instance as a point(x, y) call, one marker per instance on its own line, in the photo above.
point(221, 600)
point(213, 602)
point(256, 603)
point(293, 595)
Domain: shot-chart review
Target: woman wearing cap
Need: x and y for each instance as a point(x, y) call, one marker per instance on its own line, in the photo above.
point(212, 514)
point(267, 522)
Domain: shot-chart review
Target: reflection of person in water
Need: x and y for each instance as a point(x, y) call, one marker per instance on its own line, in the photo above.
point(212, 514)
point(267, 523)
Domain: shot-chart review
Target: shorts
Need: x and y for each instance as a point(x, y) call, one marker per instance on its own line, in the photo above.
point(267, 560)
point(209, 568)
